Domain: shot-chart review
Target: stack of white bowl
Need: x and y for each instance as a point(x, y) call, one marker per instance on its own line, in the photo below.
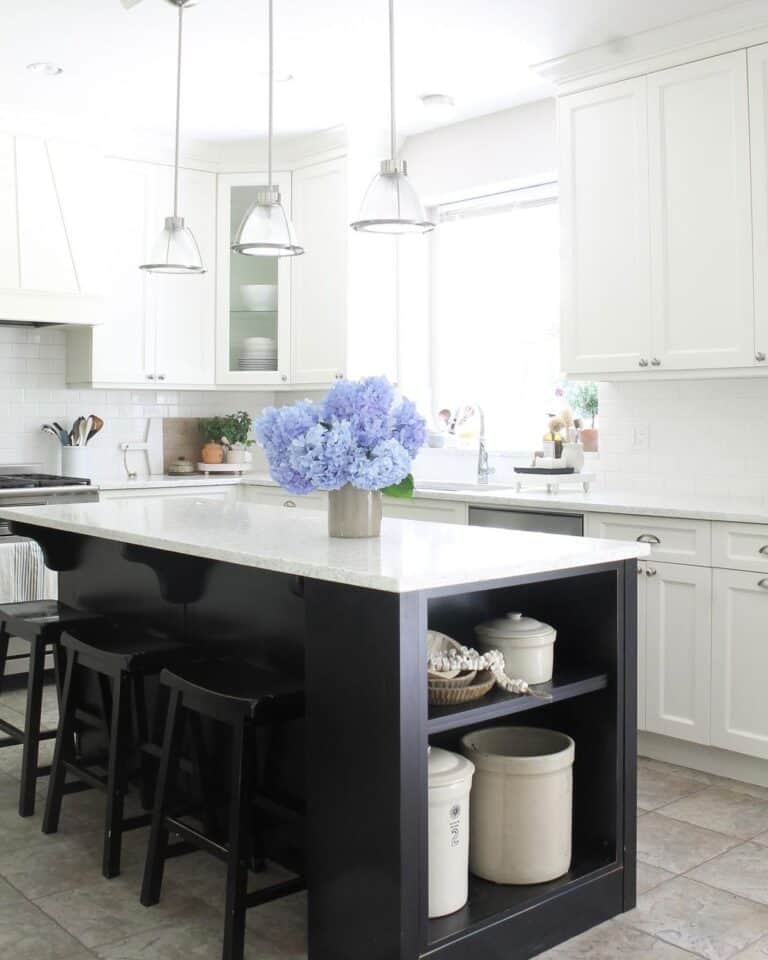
point(258, 353)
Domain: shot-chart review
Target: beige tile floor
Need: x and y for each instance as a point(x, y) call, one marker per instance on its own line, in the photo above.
point(702, 879)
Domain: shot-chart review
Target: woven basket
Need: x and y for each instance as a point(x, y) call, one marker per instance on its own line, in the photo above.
point(441, 696)
point(451, 683)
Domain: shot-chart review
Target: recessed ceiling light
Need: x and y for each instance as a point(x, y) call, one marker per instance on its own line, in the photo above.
point(45, 68)
point(438, 103)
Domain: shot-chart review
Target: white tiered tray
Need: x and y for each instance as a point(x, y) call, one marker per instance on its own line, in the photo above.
point(236, 468)
point(552, 482)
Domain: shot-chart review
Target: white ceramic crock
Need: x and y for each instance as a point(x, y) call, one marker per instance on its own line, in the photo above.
point(527, 645)
point(522, 803)
point(450, 780)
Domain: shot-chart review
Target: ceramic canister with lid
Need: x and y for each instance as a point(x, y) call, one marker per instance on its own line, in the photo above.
point(527, 645)
point(450, 780)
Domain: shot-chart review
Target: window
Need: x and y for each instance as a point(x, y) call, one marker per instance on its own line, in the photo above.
point(495, 320)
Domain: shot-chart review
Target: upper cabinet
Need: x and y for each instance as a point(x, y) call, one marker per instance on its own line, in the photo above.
point(701, 230)
point(253, 303)
point(657, 221)
point(157, 330)
point(51, 231)
point(758, 117)
point(604, 223)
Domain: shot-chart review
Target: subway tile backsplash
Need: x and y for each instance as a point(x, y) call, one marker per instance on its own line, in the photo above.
point(705, 437)
point(33, 391)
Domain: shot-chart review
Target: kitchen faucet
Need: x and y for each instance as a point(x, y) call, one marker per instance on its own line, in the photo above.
point(483, 470)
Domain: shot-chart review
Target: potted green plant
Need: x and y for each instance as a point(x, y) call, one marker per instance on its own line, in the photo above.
point(584, 400)
point(211, 433)
point(236, 437)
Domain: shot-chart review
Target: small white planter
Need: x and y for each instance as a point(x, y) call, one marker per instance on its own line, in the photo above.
point(450, 780)
point(235, 455)
point(522, 804)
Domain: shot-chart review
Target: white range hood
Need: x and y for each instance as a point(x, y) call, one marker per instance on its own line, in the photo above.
point(53, 231)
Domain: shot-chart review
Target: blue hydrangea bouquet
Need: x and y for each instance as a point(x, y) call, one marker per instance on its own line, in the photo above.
point(359, 442)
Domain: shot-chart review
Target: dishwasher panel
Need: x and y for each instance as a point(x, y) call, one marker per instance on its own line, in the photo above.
point(569, 524)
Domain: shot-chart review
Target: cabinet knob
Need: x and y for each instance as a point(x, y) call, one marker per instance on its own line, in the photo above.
point(651, 571)
point(161, 376)
point(760, 356)
point(763, 583)
point(284, 377)
point(150, 376)
point(289, 503)
point(764, 550)
point(642, 362)
point(648, 538)
point(655, 362)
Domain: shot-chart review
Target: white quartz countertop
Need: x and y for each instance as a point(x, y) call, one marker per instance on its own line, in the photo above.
point(410, 555)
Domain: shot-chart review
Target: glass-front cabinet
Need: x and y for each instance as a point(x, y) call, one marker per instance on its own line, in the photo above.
point(253, 310)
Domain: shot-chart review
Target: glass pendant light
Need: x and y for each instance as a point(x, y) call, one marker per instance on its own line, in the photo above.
point(390, 204)
point(265, 230)
point(176, 250)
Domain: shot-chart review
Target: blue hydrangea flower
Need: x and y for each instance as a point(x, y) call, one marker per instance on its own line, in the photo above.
point(361, 434)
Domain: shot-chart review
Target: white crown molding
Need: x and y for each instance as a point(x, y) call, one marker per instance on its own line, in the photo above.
point(742, 25)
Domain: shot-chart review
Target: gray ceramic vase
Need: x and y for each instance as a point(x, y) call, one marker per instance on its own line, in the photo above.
point(354, 513)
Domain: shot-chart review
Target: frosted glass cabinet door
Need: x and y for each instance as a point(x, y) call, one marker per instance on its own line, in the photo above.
point(604, 223)
point(253, 294)
point(701, 227)
point(740, 662)
point(678, 650)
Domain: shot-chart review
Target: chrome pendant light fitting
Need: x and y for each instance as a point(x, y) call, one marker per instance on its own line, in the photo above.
point(266, 230)
point(391, 205)
point(176, 250)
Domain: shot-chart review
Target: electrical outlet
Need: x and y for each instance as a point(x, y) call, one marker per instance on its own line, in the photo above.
point(641, 437)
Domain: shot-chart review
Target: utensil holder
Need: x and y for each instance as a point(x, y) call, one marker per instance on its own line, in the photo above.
point(76, 462)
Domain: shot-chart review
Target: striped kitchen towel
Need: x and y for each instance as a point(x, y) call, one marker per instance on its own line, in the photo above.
point(23, 573)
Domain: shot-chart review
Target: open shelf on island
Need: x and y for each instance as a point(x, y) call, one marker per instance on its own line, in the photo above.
point(566, 684)
point(491, 902)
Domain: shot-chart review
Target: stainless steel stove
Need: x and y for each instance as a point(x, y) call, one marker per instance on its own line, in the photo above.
point(21, 485)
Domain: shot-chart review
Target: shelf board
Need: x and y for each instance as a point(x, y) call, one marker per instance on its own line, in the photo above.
point(565, 685)
point(493, 902)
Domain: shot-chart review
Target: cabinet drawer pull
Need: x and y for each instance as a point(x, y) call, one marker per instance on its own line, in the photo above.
point(655, 362)
point(652, 571)
point(760, 356)
point(289, 503)
point(648, 538)
point(764, 550)
point(763, 583)
point(642, 362)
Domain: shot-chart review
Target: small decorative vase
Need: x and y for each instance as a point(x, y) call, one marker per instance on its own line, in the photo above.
point(212, 453)
point(354, 513)
point(235, 455)
point(573, 454)
point(589, 438)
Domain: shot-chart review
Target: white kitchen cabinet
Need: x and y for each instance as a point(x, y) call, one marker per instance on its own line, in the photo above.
point(436, 511)
point(606, 323)
point(158, 330)
point(319, 302)
point(253, 297)
point(757, 60)
point(671, 539)
point(199, 492)
point(274, 496)
point(700, 216)
point(51, 239)
point(740, 662)
point(678, 641)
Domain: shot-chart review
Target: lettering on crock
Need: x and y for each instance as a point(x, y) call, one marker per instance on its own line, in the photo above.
point(454, 823)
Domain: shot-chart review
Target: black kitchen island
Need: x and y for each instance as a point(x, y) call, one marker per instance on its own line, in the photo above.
point(352, 616)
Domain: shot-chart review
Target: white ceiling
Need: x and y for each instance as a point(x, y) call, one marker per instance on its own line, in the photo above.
point(119, 65)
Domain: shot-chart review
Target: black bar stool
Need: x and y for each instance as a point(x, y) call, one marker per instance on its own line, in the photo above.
point(246, 699)
point(120, 661)
point(40, 623)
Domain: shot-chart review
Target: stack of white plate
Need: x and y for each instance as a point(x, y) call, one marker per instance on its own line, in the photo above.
point(258, 353)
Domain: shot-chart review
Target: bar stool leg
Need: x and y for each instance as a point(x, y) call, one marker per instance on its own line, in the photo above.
point(141, 737)
point(239, 842)
point(117, 777)
point(158, 834)
point(31, 751)
point(62, 753)
point(4, 638)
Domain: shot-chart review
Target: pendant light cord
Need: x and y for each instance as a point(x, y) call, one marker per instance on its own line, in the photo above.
point(271, 95)
point(392, 119)
point(178, 118)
